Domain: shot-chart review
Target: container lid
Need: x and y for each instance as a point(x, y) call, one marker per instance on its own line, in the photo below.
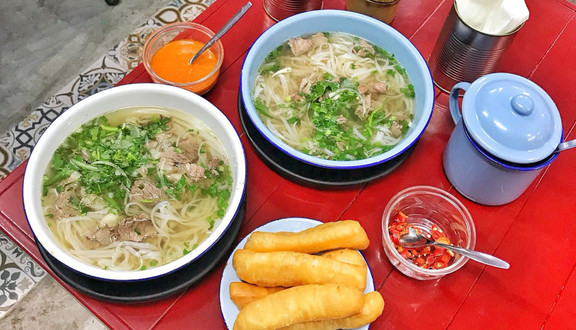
point(512, 118)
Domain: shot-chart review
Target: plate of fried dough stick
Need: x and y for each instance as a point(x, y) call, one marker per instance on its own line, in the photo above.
point(300, 273)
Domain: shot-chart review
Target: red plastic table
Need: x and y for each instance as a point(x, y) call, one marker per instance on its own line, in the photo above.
point(534, 233)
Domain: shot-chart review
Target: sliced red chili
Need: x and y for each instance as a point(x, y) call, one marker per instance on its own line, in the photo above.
point(401, 226)
point(401, 217)
point(446, 257)
point(395, 238)
point(438, 251)
point(431, 257)
point(420, 261)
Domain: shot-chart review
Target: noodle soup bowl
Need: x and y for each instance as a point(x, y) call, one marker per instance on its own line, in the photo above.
point(174, 100)
point(368, 28)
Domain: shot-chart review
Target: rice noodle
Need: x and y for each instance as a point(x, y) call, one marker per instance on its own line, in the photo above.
point(179, 224)
point(337, 57)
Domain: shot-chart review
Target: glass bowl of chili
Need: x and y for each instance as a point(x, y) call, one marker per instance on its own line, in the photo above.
point(435, 213)
point(168, 50)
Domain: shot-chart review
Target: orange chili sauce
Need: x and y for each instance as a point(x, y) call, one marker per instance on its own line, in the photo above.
point(170, 63)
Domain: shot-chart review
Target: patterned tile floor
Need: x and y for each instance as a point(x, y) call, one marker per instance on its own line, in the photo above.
point(19, 274)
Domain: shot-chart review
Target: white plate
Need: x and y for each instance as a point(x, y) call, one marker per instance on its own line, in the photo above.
point(229, 310)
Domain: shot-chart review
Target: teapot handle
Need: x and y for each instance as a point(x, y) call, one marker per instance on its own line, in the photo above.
point(453, 102)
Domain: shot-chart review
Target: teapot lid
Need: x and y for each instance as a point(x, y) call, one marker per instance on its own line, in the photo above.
point(512, 118)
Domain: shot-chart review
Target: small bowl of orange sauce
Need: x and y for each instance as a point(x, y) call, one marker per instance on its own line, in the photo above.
point(167, 52)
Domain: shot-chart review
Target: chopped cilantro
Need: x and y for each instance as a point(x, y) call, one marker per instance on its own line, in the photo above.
point(271, 63)
point(219, 189)
point(408, 91)
point(399, 69)
point(261, 107)
point(293, 120)
point(77, 204)
point(384, 53)
point(110, 156)
point(327, 104)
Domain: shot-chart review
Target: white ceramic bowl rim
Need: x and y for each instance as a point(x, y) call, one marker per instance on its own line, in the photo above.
point(336, 19)
point(142, 95)
point(448, 197)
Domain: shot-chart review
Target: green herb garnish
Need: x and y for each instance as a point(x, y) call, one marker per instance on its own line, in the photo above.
point(110, 156)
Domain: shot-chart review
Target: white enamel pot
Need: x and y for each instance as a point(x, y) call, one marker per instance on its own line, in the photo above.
point(507, 131)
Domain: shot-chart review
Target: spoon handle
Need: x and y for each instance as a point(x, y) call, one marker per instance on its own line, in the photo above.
point(566, 145)
point(476, 255)
point(223, 30)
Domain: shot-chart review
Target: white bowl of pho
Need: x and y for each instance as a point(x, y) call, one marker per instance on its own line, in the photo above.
point(134, 182)
point(337, 89)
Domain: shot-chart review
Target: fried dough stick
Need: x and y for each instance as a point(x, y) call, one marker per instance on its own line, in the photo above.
point(327, 236)
point(346, 255)
point(242, 293)
point(373, 307)
point(288, 269)
point(300, 304)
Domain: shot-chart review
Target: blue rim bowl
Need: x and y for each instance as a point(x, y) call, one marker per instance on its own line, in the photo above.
point(359, 25)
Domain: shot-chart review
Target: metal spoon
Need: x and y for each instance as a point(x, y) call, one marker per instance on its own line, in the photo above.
point(414, 240)
point(566, 145)
point(223, 30)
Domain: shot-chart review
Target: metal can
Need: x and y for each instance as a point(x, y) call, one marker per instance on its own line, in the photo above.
point(383, 10)
point(463, 53)
point(280, 9)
